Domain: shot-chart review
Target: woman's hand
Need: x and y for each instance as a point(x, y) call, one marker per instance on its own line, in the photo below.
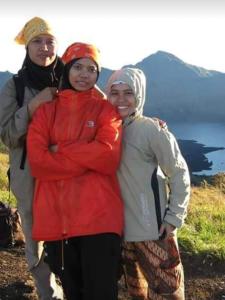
point(46, 95)
point(166, 230)
point(162, 123)
point(53, 148)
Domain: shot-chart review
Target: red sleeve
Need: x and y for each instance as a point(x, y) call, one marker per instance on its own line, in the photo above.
point(46, 165)
point(103, 153)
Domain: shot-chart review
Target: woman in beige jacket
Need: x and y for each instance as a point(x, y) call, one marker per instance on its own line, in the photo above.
point(38, 79)
point(150, 158)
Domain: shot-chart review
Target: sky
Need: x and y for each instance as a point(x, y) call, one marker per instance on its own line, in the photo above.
point(125, 31)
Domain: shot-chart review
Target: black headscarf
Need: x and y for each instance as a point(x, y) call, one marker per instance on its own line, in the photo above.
point(38, 77)
point(65, 84)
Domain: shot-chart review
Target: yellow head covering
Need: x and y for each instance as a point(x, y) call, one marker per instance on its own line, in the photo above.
point(31, 29)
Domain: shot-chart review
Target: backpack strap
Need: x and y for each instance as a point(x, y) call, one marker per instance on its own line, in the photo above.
point(23, 157)
point(20, 91)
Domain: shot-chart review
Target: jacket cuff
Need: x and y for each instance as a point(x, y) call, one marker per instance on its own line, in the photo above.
point(173, 220)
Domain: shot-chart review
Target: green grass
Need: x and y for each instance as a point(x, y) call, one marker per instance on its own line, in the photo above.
point(9, 199)
point(4, 184)
point(3, 171)
point(204, 229)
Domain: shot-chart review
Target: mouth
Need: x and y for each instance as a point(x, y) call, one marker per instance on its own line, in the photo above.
point(81, 83)
point(122, 107)
point(44, 56)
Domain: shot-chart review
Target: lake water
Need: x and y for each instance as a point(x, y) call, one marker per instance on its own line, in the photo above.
point(209, 134)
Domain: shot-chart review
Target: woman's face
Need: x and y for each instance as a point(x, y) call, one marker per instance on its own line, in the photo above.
point(83, 74)
point(122, 97)
point(42, 50)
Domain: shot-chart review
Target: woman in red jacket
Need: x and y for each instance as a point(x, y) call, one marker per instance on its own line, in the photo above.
point(74, 146)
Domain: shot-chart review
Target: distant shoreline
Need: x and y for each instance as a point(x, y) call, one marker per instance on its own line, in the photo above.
point(195, 155)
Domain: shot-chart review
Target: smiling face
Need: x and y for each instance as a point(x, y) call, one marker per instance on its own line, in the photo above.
point(122, 97)
point(42, 50)
point(83, 74)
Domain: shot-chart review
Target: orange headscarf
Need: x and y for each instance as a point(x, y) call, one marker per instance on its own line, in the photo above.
point(82, 50)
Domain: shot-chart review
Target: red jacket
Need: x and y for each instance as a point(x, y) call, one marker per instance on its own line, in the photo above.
point(77, 191)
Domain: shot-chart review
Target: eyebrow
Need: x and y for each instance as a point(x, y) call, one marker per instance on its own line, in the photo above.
point(41, 38)
point(114, 88)
point(80, 64)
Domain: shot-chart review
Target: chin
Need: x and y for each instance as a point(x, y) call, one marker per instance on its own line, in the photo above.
point(122, 114)
point(46, 62)
point(82, 88)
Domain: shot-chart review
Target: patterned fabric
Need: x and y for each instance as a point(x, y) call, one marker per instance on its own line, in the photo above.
point(81, 50)
point(31, 29)
point(154, 270)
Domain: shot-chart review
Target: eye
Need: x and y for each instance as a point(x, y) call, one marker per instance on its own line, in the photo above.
point(129, 93)
point(51, 42)
point(92, 69)
point(113, 93)
point(36, 41)
point(77, 67)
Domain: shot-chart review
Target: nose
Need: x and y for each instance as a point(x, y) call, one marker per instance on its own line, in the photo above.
point(120, 98)
point(84, 72)
point(44, 46)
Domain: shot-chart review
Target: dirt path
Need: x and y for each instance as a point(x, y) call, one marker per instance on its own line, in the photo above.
point(205, 279)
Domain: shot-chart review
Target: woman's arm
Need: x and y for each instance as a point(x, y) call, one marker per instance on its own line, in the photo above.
point(171, 161)
point(74, 158)
point(45, 163)
point(104, 152)
point(13, 120)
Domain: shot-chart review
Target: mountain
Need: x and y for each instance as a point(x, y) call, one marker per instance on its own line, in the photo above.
point(176, 91)
point(181, 91)
point(4, 76)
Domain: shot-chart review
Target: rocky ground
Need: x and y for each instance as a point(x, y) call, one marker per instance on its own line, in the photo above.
point(205, 277)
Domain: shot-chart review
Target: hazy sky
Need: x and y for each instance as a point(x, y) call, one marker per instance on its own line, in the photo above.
point(125, 31)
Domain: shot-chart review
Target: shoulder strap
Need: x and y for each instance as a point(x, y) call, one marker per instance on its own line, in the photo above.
point(20, 88)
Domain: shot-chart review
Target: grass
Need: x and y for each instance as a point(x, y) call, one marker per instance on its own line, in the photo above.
point(4, 183)
point(3, 171)
point(204, 229)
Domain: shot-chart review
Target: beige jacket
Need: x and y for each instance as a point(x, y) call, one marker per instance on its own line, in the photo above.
point(148, 149)
point(13, 128)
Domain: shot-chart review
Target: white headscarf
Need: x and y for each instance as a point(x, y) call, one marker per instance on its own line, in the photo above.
point(136, 80)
